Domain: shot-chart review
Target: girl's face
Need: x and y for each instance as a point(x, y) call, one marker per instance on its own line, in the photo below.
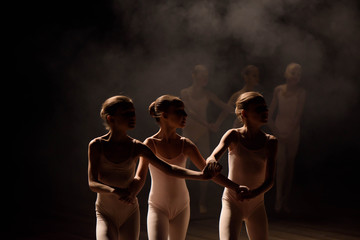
point(176, 116)
point(202, 77)
point(257, 113)
point(252, 77)
point(124, 119)
point(293, 75)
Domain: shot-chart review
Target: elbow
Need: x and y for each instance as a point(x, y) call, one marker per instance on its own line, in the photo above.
point(173, 171)
point(92, 186)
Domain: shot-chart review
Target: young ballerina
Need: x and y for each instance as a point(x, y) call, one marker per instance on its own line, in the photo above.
point(251, 162)
point(288, 100)
point(250, 74)
point(111, 171)
point(197, 99)
point(169, 208)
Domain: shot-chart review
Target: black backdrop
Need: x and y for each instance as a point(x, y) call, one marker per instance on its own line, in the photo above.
point(69, 56)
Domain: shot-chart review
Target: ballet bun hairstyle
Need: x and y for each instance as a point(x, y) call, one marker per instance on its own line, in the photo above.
point(112, 104)
point(244, 100)
point(162, 104)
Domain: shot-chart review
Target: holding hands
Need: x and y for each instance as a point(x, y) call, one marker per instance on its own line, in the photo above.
point(242, 192)
point(125, 195)
point(211, 169)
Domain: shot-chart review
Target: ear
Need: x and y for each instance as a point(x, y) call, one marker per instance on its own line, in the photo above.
point(165, 115)
point(243, 113)
point(109, 118)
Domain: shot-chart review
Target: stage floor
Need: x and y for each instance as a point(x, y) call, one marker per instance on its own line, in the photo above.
point(82, 228)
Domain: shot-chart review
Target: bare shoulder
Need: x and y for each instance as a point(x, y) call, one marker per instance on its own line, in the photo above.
point(188, 144)
point(139, 146)
point(279, 88)
point(139, 143)
point(149, 143)
point(272, 141)
point(184, 92)
point(231, 135)
point(95, 143)
point(232, 132)
point(94, 150)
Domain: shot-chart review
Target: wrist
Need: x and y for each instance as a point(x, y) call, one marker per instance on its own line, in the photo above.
point(210, 159)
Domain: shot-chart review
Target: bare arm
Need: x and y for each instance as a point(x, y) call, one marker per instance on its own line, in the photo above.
point(212, 97)
point(193, 153)
point(229, 137)
point(140, 176)
point(195, 156)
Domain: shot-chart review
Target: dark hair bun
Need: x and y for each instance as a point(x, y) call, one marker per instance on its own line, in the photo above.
point(152, 109)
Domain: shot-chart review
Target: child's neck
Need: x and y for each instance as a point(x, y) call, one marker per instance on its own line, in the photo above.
point(117, 136)
point(167, 133)
point(251, 131)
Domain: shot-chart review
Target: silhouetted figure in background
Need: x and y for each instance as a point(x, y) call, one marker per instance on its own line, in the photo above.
point(251, 162)
point(250, 74)
point(197, 99)
point(288, 101)
point(111, 172)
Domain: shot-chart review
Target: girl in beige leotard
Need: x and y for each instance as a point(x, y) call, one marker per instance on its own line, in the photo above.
point(252, 163)
point(288, 100)
point(111, 172)
point(169, 208)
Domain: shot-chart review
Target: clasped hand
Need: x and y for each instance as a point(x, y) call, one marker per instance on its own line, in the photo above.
point(244, 193)
point(125, 195)
point(212, 169)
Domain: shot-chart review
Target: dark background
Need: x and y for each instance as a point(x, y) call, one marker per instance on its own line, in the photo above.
point(69, 56)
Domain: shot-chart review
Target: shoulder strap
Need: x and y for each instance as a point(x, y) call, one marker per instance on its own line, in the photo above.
point(182, 144)
point(153, 142)
point(132, 147)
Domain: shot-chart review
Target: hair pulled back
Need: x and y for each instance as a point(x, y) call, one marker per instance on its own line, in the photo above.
point(162, 104)
point(245, 99)
point(112, 104)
